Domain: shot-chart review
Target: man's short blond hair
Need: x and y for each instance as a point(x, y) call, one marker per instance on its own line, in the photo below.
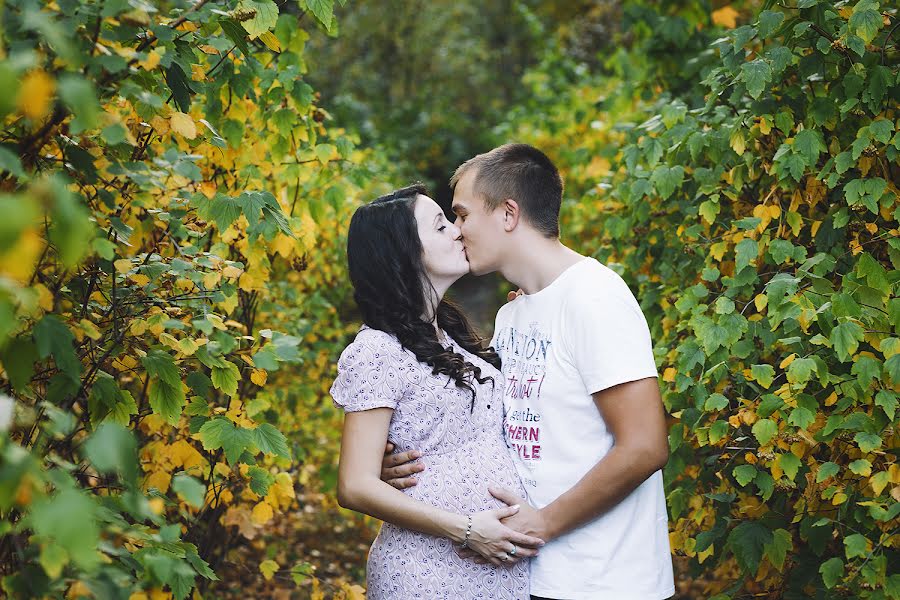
point(522, 173)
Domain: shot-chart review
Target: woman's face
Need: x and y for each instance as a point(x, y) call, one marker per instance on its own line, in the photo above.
point(444, 255)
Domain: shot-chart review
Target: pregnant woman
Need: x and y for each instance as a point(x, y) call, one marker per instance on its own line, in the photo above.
point(419, 376)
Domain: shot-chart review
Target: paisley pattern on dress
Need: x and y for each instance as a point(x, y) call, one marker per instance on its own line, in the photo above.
point(464, 452)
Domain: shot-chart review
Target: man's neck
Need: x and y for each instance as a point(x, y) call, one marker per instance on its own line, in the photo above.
point(539, 262)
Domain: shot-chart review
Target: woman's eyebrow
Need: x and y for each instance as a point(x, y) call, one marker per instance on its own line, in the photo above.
point(438, 216)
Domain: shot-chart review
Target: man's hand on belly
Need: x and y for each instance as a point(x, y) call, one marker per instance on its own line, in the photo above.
point(528, 520)
point(399, 469)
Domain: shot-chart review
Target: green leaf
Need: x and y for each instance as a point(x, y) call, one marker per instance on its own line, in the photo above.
point(167, 400)
point(715, 402)
point(832, 571)
point(802, 417)
point(237, 34)
point(801, 370)
point(265, 16)
point(861, 467)
point(746, 252)
point(777, 550)
point(769, 20)
point(867, 441)
point(881, 130)
point(826, 470)
point(809, 144)
point(53, 338)
point(161, 365)
point(10, 161)
point(271, 441)
point(843, 162)
point(887, 400)
point(667, 179)
point(845, 338)
point(189, 489)
point(52, 518)
point(856, 545)
point(180, 85)
point(322, 9)
point(708, 210)
point(222, 433)
point(765, 430)
point(226, 378)
point(18, 358)
point(744, 474)
point(756, 74)
point(748, 542)
point(866, 21)
point(790, 464)
point(79, 95)
point(260, 480)
point(113, 449)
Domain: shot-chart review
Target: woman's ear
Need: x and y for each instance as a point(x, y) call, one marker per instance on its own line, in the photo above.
point(510, 214)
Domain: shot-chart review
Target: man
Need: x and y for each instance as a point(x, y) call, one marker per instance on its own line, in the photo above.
point(583, 413)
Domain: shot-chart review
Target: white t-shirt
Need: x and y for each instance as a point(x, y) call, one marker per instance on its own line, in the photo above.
point(581, 334)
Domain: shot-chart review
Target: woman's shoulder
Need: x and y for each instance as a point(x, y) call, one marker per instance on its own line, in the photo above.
point(376, 342)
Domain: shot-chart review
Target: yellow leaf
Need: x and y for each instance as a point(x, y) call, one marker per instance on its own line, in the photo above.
point(90, 329)
point(262, 513)
point(123, 265)
point(140, 279)
point(878, 482)
point(187, 346)
point(839, 498)
point(268, 568)
point(765, 127)
point(79, 590)
point(211, 279)
point(35, 94)
point(232, 272)
point(815, 228)
point(726, 17)
point(737, 142)
point(208, 188)
point(198, 73)
point(259, 376)
point(787, 361)
point(158, 479)
point(717, 250)
point(157, 505)
point(761, 301)
point(152, 60)
point(45, 296)
point(832, 399)
point(669, 374)
point(183, 124)
point(774, 211)
point(271, 41)
point(160, 124)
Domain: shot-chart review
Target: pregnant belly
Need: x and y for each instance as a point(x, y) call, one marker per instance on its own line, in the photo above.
point(458, 480)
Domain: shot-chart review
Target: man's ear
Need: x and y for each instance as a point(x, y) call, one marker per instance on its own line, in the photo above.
point(510, 214)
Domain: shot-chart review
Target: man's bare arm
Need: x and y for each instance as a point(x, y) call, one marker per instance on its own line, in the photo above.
point(634, 414)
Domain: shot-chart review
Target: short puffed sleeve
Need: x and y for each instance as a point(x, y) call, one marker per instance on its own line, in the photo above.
point(372, 372)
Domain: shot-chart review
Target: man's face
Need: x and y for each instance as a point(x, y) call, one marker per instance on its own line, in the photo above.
point(482, 232)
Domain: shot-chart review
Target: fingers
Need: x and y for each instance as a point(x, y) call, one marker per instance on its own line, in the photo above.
point(520, 540)
point(400, 458)
point(388, 448)
point(407, 470)
point(506, 511)
point(504, 495)
point(525, 552)
point(402, 483)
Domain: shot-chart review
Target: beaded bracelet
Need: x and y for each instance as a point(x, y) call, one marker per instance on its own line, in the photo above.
point(465, 543)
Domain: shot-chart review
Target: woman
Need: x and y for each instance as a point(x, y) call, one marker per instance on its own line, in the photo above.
point(418, 375)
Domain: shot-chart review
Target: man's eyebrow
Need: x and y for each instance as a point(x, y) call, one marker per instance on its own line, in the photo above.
point(457, 207)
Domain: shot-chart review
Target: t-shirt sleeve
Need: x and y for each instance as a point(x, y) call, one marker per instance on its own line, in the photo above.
point(371, 373)
point(607, 337)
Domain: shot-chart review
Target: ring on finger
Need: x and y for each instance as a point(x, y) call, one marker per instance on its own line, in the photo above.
point(514, 550)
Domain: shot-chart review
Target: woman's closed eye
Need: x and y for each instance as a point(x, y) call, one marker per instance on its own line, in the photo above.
point(442, 227)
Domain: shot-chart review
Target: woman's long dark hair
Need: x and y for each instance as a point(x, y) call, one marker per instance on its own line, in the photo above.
point(384, 253)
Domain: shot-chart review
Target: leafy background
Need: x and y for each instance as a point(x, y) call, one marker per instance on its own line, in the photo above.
point(176, 182)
